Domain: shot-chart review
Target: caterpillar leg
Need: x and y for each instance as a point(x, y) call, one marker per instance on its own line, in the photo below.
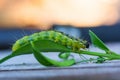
point(47, 61)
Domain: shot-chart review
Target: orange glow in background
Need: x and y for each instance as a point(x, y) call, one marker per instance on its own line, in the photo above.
point(43, 14)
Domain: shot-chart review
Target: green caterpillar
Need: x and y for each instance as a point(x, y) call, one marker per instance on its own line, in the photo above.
point(47, 41)
point(44, 41)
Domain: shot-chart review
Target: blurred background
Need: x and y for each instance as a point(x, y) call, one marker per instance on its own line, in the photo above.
point(75, 17)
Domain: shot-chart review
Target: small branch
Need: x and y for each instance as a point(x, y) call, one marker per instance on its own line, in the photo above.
point(110, 56)
point(6, 58)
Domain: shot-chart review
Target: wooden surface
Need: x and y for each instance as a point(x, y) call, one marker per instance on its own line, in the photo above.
point(25, 67)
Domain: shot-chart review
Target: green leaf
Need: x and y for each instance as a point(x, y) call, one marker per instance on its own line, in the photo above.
point(97, 42)
point(40, 58)
point(49, 62)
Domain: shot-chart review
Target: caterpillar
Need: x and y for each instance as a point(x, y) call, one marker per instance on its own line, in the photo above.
point(47, 41)
point(52, 36)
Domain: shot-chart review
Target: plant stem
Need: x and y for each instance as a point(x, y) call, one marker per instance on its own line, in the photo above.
point(110, 56)
point(6, 58)
point(89, 60)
